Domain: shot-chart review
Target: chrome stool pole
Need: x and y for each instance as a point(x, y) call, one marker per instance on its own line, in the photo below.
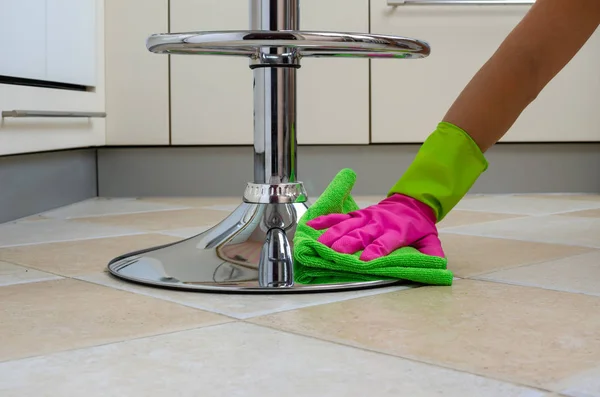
point(251, 250)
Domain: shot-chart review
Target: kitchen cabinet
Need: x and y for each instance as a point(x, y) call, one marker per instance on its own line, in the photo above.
point(410, 97)
point(26, 135)
point(49, 40)
point(211, 96)
point(70, 41)
point(27, 22)
point(137, 81)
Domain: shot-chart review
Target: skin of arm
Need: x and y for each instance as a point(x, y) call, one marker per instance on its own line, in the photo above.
point(536, 50)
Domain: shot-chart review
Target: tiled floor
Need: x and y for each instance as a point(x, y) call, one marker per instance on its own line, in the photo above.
point(522, 319)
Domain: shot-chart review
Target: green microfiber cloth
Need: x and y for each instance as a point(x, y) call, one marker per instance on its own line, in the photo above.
point(315, 263)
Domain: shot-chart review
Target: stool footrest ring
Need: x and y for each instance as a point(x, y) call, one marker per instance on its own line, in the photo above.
point(252, 44)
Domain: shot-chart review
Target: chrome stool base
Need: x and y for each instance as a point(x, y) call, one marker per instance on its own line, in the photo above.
point(251, 250)
point(248, 252)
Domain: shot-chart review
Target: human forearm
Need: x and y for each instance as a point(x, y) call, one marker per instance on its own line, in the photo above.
point(537, 49)
point(451, 159)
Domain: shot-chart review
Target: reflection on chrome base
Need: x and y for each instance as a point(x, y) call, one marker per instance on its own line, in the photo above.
point(249, 251)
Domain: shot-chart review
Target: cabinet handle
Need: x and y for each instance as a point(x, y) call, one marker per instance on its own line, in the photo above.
point(460, 2)
point(49, 113)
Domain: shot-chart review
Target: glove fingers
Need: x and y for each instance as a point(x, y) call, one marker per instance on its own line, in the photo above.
point(389, 242)
point(430, 245)
point(327, 221)
point(340, 230)
point(357, 239)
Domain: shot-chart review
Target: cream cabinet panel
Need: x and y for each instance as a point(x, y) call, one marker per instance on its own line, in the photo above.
point(333, 93)
point(137, 81)
point(26, 135)
point(49, 40)
point(211, 97)
point(70, 43)
point(410, 97)
point(23, 39)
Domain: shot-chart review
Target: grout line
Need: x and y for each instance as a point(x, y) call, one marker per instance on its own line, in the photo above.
point(333, 300)
point(30, 267)
point(147, 294)
point(530, 286)
point(77, 239)
point(118, 213)
point(466, 233)
point(534, 286)
point(477, 276)
point(443, 229)
point(357, 295)
point(572, 211)
point(411, 359)
point(55, 277)
point(118, 342)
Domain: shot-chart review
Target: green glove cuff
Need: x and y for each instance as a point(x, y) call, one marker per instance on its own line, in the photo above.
point(445, 168)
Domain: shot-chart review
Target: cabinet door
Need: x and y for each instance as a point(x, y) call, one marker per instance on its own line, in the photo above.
point(23, 39)
point(333, 93)
point(49, 40)
point(410, 97)
point(27, 135)
point(71, 41)
point(137, 81)
point(211, 96)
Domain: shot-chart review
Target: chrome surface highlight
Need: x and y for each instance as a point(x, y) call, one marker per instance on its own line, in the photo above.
point(296, 44)
point(248, 252)
point(251, 250)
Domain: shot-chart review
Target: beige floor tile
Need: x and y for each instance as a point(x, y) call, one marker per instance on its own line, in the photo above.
point(32, 218)
point(584, 214)
point(546, 229)
point(528, 335)
point(238, 360)
point(79, 257)
point(460, 218)
point(524, 205)
point(577, 197)
point(50, 316)
point(237, 306)
point(13, 274)
point(578, 274)
point(585, 384)
point(162, 220)
point(472, 255)
point(108, 206)
point(54, 230)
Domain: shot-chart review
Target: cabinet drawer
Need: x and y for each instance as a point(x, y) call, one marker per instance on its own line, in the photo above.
point(410, 97)
point(26, 135)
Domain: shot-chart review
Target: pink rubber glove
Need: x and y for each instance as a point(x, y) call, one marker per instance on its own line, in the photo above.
point(396, 222)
